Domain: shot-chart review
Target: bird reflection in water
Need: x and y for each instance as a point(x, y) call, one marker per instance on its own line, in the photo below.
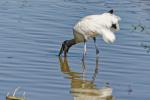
point(82, 88)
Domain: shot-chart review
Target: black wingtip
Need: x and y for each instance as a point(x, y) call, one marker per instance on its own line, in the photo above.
point(111, 11)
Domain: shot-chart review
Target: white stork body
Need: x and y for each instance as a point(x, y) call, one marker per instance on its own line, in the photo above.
point(92, 26)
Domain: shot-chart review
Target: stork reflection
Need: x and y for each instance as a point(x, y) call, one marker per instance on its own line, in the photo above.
point(82, 88)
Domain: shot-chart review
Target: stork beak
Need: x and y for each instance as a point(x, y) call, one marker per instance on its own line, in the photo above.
point(61, 50)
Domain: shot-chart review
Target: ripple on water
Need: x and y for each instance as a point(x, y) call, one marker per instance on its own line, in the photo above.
point(30, 38)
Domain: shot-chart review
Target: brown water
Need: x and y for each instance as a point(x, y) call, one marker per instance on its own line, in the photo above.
point(30, 38)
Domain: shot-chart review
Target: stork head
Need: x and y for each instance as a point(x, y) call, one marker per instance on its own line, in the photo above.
point(65, 46)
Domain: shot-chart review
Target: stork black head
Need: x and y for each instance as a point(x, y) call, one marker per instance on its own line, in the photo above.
point(111, 11)
point(65, 46)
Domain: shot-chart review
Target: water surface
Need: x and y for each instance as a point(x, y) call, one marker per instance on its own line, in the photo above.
point(30, 38)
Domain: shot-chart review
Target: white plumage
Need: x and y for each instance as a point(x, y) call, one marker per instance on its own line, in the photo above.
point(91, 26)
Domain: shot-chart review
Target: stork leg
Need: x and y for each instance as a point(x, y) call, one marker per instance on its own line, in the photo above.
point(97, 50)
point(84, 52)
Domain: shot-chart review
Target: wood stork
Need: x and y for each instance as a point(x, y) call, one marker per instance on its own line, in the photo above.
point(91, 26)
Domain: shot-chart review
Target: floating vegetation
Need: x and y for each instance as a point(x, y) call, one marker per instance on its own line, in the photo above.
point(129, 89)
point(24, 4)
point(14, 97)
point(146, 46)
point(141, 28)
point(138, 27)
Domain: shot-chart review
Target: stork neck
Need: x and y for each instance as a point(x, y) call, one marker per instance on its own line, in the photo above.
point(71, 42)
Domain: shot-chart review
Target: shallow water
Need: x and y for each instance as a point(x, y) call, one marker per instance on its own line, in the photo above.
point(30, 38)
